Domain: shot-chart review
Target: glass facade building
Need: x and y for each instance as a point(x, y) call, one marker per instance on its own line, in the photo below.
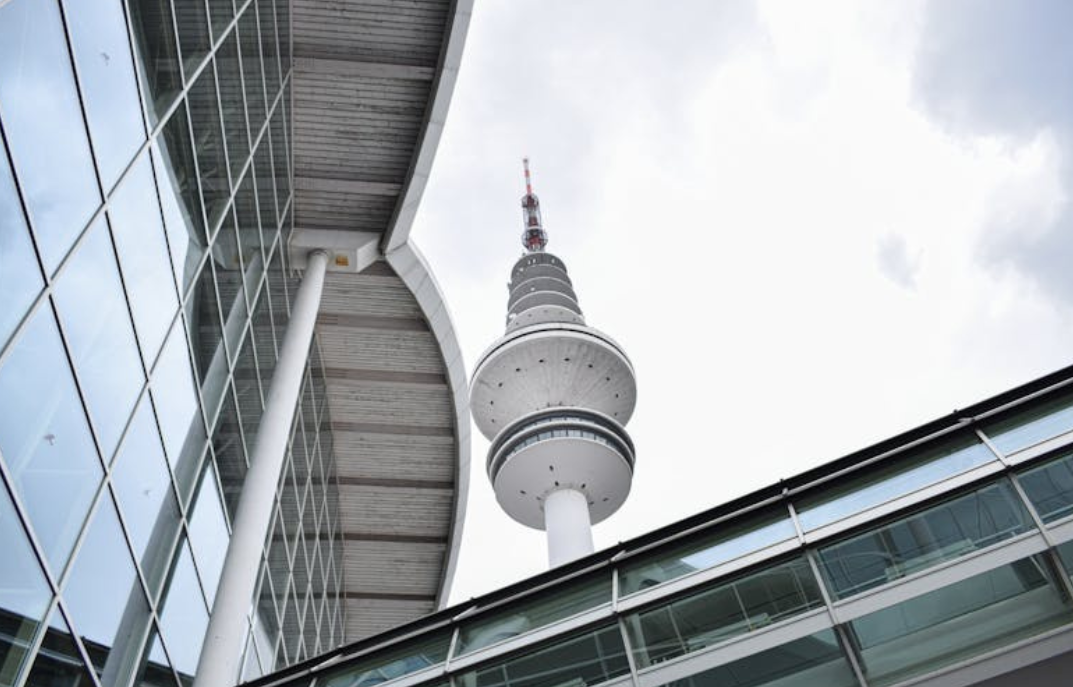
point(943, 556)
point(146, 202)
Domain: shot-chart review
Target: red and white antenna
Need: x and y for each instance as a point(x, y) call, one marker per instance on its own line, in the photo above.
point(534, 238)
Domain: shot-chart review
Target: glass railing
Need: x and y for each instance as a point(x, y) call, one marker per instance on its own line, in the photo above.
point(810, 661)
point(721, 612)
point(590, 658)
point(903, 477)
point(922, 540)
point(726, 545)
point(1038, 423)
point(523, 617)
point(390, 665)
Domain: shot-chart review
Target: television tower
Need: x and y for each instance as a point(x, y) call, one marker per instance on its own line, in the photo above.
point(552, 395)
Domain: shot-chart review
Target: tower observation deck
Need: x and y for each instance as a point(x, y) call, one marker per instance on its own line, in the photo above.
point(553, 396)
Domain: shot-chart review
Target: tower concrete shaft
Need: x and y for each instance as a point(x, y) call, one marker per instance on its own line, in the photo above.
point(553, 395)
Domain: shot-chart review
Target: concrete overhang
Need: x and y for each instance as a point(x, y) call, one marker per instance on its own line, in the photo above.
point(372, 82)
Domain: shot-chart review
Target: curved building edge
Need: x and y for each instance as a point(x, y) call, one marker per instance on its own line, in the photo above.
point(413, 269)
point(398, 231)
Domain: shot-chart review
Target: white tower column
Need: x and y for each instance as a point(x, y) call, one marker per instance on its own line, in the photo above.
point(566, 520)
point(221, 651)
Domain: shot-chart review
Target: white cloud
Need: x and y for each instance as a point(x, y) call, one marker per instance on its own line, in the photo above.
point(717, 183)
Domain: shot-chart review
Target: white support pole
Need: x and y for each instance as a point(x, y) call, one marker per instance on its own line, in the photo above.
point(221, 651)
point(566, 519)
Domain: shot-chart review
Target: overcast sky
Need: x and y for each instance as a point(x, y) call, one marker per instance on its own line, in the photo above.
point(811, 225)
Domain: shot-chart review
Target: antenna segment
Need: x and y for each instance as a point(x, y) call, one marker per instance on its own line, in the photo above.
point(534, 238)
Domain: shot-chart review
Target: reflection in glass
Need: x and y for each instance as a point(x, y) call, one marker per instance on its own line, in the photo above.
point(208, 534)
point(180, 200)
point(247, 389)
point(1040, 422)
point(104, 598)
point(109, 88)
point(155, 34)
point(1050, 488)
point(283, 22)
point(587, 659)
point(20, 277)
point(959, 621)
point(728, 543)
point(58, 663)
point(229, 76)
point(230, 452)
point(143, 488)
point(184, 618)
point(93, 309)
point(814, 660)
point(902, 477)
point(176, 401)
point(229, 282)
point(156, 669)
point(390, 664)
point(209, 144)
point(249, 226)
point(44, 438)
point(26, 596)
point(922, 540)
point(143, 257)
point(203, 315)
point(192, 21)
point(725, 610)
point(43, 125)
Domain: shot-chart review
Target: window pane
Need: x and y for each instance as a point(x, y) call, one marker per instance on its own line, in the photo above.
point(726, 610)
point(959, 621)
point(155, 34)
point(229, 76)
point(250, 43)
point(26, 596)
point(266, 190)
point(222, 12)
point(283, 22)
point(58, 663)
point(902, 477)
point(208, 534)
point(45, 440)
point(184, 619)
point(209, 145)
point(1050, 488)
point(203, 314)
point(588, 659)
point(143, 257)
point(810, 661)
point(230, 453)
point(43, 125)
point(20, 277)
point(180, 420)
point(180, 199)
point(1040, 422)
point(105, 599)
point(730, 542)
point(390, 664)
point(192, 21)
point(526, 616)
point(143, 488)
point(109, 88)
point(920, 541)
point(280, 154)
point(249, 225)
point(269, 48)
point(93, 309)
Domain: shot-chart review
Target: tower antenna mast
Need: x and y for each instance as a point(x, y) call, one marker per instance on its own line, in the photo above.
point(534, 238)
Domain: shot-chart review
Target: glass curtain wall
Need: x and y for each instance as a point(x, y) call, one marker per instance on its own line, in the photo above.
point(144, 290)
